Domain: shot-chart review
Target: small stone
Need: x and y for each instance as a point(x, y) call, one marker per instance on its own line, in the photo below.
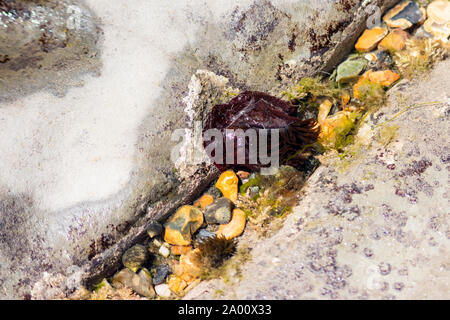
point(157, 243)
point(438, 31)
point(163, 290)
point(350, 70)
point(404, 15)
point(370, 38)
point(204, 201)
point(142, 284)
point(384, 78)
point(422, 34)
point(188, 268)
point(345, 98)
point(205, 234)
point(243, 174)
point(228, 185)
point(335, 127)
point(324, 110)
point(179, 250)
point(181, 226)
point(394, 41)
point(135, 257)
point(176, 284)
point(155, 229)
point(379, 60)
point(253, 191)
point(161, 273)
point(235, 227)
point(164, 251)
point(219, 212)
point(123, 279)
point(371, 57)
point(439, 11)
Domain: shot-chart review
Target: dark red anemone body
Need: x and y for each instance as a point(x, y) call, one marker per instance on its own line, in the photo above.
point(257, 110)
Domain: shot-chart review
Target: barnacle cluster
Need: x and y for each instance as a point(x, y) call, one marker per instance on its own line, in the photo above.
point(419, 56)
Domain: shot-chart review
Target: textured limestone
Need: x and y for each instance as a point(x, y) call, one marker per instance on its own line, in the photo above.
point(86, 158)
point(374, 226)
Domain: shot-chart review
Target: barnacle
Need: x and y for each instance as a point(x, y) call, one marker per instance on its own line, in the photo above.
point(419, 56)
point(261, 112)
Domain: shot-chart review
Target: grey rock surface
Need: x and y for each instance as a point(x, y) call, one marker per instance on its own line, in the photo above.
point(372, 226)
point(86, 160)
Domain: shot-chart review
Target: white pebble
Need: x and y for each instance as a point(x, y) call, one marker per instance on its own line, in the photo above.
point(163, 290)
point(164, 251)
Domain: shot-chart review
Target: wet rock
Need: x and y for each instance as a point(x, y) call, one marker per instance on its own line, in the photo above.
point(361, 181)
point(324, 110)
point(439, 31)
point(219, 212)
point(205, 234)
point(394, 41)
point(123, 279)
point(235, 227)
point(334, 129)
point(163, 290)
point(180, 227)
point(404, 15)
point(369, 86)
point(161, 273)
point(135, 257)
point(420, 33)
point(164, 251)
point(228, 185)
point(370, 38)
point(439, 11)
point(155, 229)
point(188, 268)
point(204, 201)
point(47, 45)
point(384, 78)
point(179, 250)
point(379, 60)
point(350, 69)
point(243, 175)
point(176, 284)
point(125, 96)
point(142, 284)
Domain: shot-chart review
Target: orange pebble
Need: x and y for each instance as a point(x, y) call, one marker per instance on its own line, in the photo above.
point(228, 185)
point(370, 38)
point(243, 174)
point(235, 227)
point(176, 284)
point(204, 201)
point(179, 250)
point(345, 98)
point(385, 78)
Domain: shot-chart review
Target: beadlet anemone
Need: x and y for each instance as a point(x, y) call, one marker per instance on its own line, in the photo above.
point(261, 112)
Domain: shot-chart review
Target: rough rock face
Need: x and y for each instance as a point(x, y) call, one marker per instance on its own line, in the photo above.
point(86, 158)
point(46, 44)
point(374, 226)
